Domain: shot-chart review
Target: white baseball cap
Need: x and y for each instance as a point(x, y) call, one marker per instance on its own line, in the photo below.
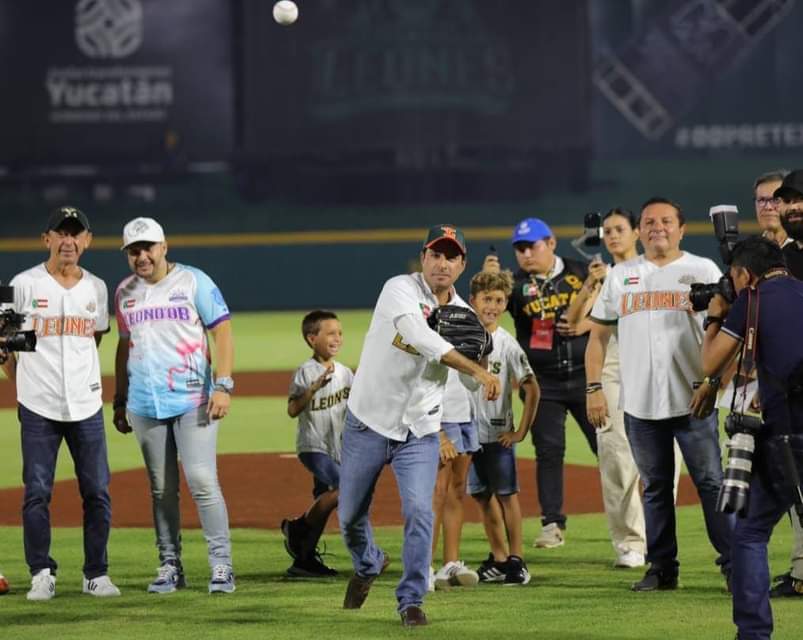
point(142, 230)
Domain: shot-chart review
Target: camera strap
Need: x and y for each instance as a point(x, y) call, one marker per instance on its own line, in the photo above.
point(747, 356)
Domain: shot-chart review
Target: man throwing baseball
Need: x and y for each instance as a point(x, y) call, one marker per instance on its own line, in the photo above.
point(166, 394)
point(394, 415)
point(59, 396)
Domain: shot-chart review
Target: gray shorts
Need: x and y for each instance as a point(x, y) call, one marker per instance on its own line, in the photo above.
point(463, 435)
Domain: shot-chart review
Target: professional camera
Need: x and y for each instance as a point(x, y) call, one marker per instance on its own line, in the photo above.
point(589, 244)
point(726, 230)
point(734, 493)
point(12, 338)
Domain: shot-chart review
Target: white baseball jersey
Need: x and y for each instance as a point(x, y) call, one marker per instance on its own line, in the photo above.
point(169, 371)
point(61, 379)
point(456, 400)
point(400, 380)
point(660, 341)
point(509, 362)
point(320, 424)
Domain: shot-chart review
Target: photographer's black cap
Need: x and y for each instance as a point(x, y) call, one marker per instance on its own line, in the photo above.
point(792, 185)
point(62, 214)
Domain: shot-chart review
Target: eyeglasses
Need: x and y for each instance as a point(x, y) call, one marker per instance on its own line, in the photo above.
point(763, 203)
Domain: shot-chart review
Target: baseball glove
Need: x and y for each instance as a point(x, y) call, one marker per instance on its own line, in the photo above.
point(461, 328)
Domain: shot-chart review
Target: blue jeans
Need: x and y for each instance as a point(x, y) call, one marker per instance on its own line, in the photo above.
point(86, 439)
point(751, 575)
point(415, 465)
point(653, 451)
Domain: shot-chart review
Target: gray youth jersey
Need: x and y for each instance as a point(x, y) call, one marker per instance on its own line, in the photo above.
point(509, 362)
point(320, 424)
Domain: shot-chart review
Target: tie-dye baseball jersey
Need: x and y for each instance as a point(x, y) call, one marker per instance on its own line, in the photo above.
point(169, 371)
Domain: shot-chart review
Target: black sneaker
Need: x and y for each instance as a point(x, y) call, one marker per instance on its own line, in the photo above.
point(492, 571)
point(295, 533)
point(517, 573)
point(787, 587)
point(656, 580)
point(312, 567)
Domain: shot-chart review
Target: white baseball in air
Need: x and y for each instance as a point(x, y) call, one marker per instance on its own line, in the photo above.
point(285, 12)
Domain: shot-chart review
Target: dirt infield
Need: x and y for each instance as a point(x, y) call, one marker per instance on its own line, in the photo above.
point(261, 489)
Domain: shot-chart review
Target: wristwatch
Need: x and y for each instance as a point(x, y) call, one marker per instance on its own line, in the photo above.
point(225, 384)
point(713, 381)
point(711, 320)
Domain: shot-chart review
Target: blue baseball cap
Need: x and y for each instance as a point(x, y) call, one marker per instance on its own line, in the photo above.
point(531, 230)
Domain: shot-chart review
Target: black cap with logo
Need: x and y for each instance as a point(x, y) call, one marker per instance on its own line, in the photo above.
point(792, 185)
point(448, 233)
point(63, 214)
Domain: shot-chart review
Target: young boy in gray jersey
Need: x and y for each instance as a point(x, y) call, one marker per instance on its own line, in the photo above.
point(492, 478)
point(318, 394)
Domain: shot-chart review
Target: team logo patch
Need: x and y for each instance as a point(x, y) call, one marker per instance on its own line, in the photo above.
point(425, 309)
point(177, 295)
point(687, 279)
point(91, 307)
point(128, 304)
point(39, 303)
point(631, 280)
point(529, 289)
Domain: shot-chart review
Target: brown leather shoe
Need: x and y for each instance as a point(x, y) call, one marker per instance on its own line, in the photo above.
point(413, 617)
point(359, 586)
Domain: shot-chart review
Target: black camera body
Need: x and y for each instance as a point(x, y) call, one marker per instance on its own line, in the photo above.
point(589, 245)
point(726, 230)
point(12, 338)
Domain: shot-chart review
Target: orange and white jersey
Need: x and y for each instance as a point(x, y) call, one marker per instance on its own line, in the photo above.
point(61, 379)
point(660, 338)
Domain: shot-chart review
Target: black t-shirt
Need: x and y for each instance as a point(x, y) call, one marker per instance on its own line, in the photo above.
point(779, 349)
point(793, 255)
point(560, 369)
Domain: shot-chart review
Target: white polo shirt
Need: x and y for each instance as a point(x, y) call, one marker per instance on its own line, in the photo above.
point(660, 341)
point(400, 380)
point(509, 362)
point(320, 424)
point(61, 379)
point(456, 400)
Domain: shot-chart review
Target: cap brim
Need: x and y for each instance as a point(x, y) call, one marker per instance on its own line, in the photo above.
point(125, 246)
point(461, 248)
point(783, 192)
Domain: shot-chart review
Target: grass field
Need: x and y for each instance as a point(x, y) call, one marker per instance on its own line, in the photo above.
point(575, 594)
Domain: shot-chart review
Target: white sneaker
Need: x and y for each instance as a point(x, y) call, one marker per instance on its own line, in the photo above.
point(101, 587)
point(455, 574)
point(431, 580)
point(629, 560)
point(43, 586)
point(551, 537)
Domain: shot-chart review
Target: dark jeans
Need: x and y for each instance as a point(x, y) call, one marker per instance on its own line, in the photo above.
point(549, 440)
point(86, 439)
point(653, 451)
point(751, 575)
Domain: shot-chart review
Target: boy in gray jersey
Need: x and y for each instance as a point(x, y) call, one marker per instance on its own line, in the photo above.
point(492, 477)
point(318, 394)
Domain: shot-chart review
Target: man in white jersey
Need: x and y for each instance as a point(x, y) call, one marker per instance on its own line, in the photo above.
point(394, 415)
point(660, 343)
point(165, 392)
point(59, 396)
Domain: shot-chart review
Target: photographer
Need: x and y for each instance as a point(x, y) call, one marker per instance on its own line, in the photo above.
point(759, 273)
point(543, 288)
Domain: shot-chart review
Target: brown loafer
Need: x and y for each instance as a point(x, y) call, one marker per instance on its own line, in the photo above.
point(359, 586)
point(413, 617)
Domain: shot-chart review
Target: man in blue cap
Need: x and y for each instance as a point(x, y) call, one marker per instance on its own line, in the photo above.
point(543, 288)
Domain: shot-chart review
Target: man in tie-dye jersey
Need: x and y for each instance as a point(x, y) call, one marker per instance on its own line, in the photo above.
point(166, 394)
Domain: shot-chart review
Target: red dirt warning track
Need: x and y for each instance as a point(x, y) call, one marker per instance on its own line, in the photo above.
point(261, 489)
